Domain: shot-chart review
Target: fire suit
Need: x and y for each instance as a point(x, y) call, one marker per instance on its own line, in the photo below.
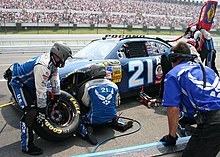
point(29, 83)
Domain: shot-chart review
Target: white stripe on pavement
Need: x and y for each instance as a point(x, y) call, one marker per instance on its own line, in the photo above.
point(15, 56)
point(3, 80)
point(3, 65)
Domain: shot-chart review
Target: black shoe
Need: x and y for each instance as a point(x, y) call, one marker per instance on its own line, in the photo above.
point(33, 150)
point(90, 137)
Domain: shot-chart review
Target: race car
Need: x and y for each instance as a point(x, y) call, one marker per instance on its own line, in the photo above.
point(132, 62)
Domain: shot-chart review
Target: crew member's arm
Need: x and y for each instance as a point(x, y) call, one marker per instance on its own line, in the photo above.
point(173, 118)
point(41, 76)
point(55, 82)
point(199, 38)
point(206, 34)
point(118, 99)
point(171, 100)
point(209, 41)
point(85, 98)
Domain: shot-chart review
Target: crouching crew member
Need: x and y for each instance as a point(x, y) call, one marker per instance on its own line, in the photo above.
point(100, 96)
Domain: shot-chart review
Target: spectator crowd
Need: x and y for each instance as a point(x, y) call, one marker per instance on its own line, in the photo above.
point(120, 12)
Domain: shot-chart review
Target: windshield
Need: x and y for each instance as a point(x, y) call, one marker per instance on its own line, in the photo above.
point(96, 50)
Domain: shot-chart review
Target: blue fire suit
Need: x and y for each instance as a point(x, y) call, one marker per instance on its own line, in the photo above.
point(101, 96)
point(184, 89)
point(29, 83)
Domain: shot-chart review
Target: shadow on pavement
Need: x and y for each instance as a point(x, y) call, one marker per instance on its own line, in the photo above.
point(12, 116)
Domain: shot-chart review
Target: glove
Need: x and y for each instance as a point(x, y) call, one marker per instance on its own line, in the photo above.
point(41, 116)
point(198, 27)
point(187, 31)
point(169, 140)
point(55, 99)
point(41, 110)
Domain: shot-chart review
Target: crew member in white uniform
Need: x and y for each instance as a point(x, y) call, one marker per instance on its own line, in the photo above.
point(28, 83)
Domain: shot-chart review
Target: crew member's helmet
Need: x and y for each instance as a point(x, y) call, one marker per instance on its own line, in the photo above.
point(62, 51)
point(97, 71)
point(193, 29)
point(191, 41)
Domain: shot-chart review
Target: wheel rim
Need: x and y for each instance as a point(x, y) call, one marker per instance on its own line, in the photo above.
point(60, 113)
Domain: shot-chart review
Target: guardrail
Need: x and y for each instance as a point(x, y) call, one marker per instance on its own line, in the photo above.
point(33, 49)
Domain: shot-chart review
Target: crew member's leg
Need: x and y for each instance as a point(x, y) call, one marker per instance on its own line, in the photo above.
point(213, 62)
point(85, 130)
point(210, 57)
point(205, 141)
point(24, 98)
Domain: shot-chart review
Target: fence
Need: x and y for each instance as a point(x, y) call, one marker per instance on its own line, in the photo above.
point(5, 27)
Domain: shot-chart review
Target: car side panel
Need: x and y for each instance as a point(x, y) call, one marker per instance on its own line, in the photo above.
point(138, 72)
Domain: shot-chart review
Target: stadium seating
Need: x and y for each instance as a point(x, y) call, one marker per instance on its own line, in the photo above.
point(121, 12)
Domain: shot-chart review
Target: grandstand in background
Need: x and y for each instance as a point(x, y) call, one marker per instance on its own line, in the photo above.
point(73, 13)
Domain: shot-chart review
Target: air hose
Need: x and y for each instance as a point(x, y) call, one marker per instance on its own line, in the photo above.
point(124, 134)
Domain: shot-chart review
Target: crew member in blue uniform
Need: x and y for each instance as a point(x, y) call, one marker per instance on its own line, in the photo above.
point(193, 89)
point(100, 95)
point(28, 83)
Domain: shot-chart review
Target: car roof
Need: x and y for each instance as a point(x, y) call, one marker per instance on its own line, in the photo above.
point(126, 38)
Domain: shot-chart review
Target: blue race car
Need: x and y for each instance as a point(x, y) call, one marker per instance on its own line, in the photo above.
point(131, 62)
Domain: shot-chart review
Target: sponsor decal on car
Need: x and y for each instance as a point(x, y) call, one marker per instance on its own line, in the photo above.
point(159, 74)
point(114, 73)
point(124, 36)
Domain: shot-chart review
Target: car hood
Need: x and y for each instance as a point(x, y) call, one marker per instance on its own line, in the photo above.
point(74, 65)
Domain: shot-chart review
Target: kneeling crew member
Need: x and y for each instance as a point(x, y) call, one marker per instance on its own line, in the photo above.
point(100, 95)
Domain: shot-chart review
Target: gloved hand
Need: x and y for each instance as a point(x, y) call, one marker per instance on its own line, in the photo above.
point(41, 116)
point(187, 31)
point(55, 99)
point(169, 140)
point(198, 27)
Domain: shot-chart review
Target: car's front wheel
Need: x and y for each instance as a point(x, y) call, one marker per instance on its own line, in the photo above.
point(62, 119)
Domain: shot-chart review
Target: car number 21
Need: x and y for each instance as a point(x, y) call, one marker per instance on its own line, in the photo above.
point(138, 67)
